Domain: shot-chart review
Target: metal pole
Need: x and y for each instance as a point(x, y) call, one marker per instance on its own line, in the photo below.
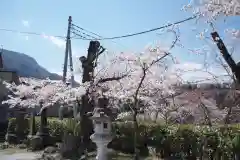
point(67, 49)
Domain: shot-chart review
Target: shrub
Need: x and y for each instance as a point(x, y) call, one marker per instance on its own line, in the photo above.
point(72, 126)
point(175, 141)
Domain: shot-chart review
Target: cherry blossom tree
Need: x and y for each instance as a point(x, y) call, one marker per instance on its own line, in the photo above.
point(33, 91)
point(212, 11)
point(147, 76)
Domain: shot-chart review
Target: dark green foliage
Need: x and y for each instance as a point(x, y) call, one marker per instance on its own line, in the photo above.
point(176, 142)
point(56, 130)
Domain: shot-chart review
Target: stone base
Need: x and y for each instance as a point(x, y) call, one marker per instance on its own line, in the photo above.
point(35, 143)
point(69, 147)
point(11, 138)
point(47, 140)
point(43, 132)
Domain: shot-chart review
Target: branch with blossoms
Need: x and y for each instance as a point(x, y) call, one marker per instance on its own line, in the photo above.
point(33, 91)
point(214, 8)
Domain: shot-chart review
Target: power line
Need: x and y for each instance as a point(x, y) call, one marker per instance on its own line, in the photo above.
point(109, 38)
point(77, 32)
point(74, 26)
point(147, 31)
point(29, 33)
point(86, 30)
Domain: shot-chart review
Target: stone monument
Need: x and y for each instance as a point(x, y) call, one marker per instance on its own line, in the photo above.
point(42, 138)
point(32, 123)
point(60, 112)
point(102, 133)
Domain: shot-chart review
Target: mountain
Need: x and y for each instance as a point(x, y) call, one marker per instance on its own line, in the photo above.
point(26, 66)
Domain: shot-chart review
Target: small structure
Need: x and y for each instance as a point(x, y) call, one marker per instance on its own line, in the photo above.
point(102, 133)
point(6, 75)
point(9, 76)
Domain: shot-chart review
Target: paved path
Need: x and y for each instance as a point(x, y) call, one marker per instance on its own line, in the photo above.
point(17, 155)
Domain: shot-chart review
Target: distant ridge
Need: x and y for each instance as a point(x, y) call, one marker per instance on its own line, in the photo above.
point(26, 66)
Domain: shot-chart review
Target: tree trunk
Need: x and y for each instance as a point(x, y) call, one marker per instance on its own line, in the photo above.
point(136, 156)
point(85, 122)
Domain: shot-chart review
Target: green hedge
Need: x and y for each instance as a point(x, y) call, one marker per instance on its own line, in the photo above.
point(178, 141)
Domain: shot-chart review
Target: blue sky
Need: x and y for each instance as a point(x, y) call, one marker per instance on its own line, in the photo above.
point(106, 17)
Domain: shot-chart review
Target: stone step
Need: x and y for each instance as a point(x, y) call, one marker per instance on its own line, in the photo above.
point(2, 138)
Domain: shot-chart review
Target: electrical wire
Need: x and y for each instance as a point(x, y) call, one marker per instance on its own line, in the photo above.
point(74, 31)
point(86, 30)
point(109, 38)
point(74, 26)
point(76, 34)
point(29, 33)
point(147, 31)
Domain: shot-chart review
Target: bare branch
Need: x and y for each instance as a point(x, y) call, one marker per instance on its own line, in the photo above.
point(206, 113)
point(103, 80)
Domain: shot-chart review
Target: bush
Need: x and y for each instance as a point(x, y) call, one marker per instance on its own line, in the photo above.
point(177, 141)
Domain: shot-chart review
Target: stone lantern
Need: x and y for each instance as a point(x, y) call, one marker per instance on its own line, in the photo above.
point(102, 133)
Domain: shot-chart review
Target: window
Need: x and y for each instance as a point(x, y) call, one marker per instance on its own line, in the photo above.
point(105, 125)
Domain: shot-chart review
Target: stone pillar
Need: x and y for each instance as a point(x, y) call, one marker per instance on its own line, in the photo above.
point(11, 136)
point(43, 130)
point(60, 112)
point(20, 124)
point(32, 123)
point(75, 111)
point(102, 151)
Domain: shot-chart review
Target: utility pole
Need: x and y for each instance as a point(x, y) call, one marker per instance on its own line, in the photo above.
point(71, 63)
point(68, 54)
point(228, 58)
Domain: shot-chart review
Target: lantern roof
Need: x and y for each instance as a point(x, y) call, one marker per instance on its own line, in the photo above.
point(99, 115)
